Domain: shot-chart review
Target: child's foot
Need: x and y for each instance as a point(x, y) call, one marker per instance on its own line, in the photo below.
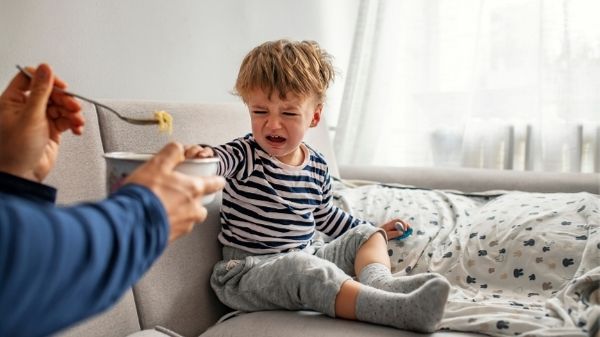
point(379, 276)
point(420, 310)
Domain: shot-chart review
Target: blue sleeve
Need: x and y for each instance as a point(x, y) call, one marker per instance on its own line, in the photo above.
point(28, 189)
point(61, 265)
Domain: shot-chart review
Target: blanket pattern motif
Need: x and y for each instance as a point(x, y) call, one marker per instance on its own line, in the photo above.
point(520, 263)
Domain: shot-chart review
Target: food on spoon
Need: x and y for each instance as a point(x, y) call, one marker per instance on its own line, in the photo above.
point(165, 121)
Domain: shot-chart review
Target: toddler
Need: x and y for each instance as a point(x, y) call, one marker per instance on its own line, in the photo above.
point(278, 193)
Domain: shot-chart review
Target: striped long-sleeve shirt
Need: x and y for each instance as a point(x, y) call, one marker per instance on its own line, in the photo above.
point(271, 207)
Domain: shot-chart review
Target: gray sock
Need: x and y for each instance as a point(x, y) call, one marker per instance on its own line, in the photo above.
point(420, 310)
point(379, 276)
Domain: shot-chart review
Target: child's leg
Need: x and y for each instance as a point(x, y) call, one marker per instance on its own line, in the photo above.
point(374, 250)
point(362, 251)
point(292, 281)
point(372, 266)
point(421, 310)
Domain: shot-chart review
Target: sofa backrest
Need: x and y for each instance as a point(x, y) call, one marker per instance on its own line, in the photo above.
point(210, 124)
point(79, 173)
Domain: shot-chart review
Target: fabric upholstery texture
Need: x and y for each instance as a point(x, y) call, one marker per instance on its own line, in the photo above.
point(120, 320)
point(79, 172)
point(175, 292)
point(210, 124)
point(150, 333)
point(307, 323)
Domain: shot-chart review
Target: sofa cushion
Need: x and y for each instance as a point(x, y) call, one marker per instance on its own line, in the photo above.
point(120, 320)
point(308, 323)
point(175, 292)
point(192, 123)
point(149, 333)
point(79, 173)
point(158, 331)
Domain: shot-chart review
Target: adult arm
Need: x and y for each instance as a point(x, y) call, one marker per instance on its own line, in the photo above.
point(60, 265)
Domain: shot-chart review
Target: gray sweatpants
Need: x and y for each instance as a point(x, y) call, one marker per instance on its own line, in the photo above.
point(307, 279)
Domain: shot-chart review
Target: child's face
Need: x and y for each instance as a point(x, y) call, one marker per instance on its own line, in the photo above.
point(279, 125)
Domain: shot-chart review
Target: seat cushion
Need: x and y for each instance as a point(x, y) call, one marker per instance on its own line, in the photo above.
point(158, 331)
point(119, 320)
point(308, 323)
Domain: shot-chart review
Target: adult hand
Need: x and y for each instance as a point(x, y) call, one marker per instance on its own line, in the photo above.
point(395, 228)
point(179, 193)
point(32, 118)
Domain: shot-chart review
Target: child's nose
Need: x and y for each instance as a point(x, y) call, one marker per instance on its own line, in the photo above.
point(274, 122)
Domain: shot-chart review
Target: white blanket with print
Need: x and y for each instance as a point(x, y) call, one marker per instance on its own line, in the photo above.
point(524, 264)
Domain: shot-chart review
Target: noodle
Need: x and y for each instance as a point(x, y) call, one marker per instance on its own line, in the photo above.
point(165, 121)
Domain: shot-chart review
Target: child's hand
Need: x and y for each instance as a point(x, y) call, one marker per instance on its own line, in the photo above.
point(395, 228)
point(198, 151)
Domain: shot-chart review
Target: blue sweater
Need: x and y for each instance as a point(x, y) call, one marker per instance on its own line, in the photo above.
point(59, 265)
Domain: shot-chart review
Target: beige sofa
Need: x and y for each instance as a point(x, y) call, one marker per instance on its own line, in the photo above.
point(174, 297)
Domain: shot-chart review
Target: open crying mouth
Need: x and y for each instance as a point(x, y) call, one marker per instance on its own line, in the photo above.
point(276, 139)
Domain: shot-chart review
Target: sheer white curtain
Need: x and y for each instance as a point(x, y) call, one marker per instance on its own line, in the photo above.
point(512, 84)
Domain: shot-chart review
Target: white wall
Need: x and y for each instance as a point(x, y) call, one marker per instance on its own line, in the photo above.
point(183, 50)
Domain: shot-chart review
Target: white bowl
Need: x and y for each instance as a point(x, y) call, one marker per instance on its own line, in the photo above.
point(120, 164)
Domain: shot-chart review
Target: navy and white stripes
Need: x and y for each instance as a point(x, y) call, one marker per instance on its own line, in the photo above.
point(269, 207)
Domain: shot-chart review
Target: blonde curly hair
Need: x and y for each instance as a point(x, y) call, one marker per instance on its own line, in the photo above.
point(298, 67)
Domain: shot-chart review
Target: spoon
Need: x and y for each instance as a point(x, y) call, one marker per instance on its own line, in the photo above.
point(138, 121)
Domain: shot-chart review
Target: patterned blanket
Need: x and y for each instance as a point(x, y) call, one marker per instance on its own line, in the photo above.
point(525, 264)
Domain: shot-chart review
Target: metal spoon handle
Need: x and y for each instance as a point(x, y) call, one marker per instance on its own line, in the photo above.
point(83, 98)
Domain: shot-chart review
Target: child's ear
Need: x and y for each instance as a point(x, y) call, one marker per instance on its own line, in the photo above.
point(316, 116)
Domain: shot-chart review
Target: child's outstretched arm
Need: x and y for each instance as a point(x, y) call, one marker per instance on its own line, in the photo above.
point(199, 151)
point(233, 156)
point(395, 228)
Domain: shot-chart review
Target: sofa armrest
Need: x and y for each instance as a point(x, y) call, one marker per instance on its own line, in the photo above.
point(475, 180)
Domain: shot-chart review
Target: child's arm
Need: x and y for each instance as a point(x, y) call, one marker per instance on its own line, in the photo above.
point(233, 155)
point(199, 151)
point(334, 221)
point(330, 219)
